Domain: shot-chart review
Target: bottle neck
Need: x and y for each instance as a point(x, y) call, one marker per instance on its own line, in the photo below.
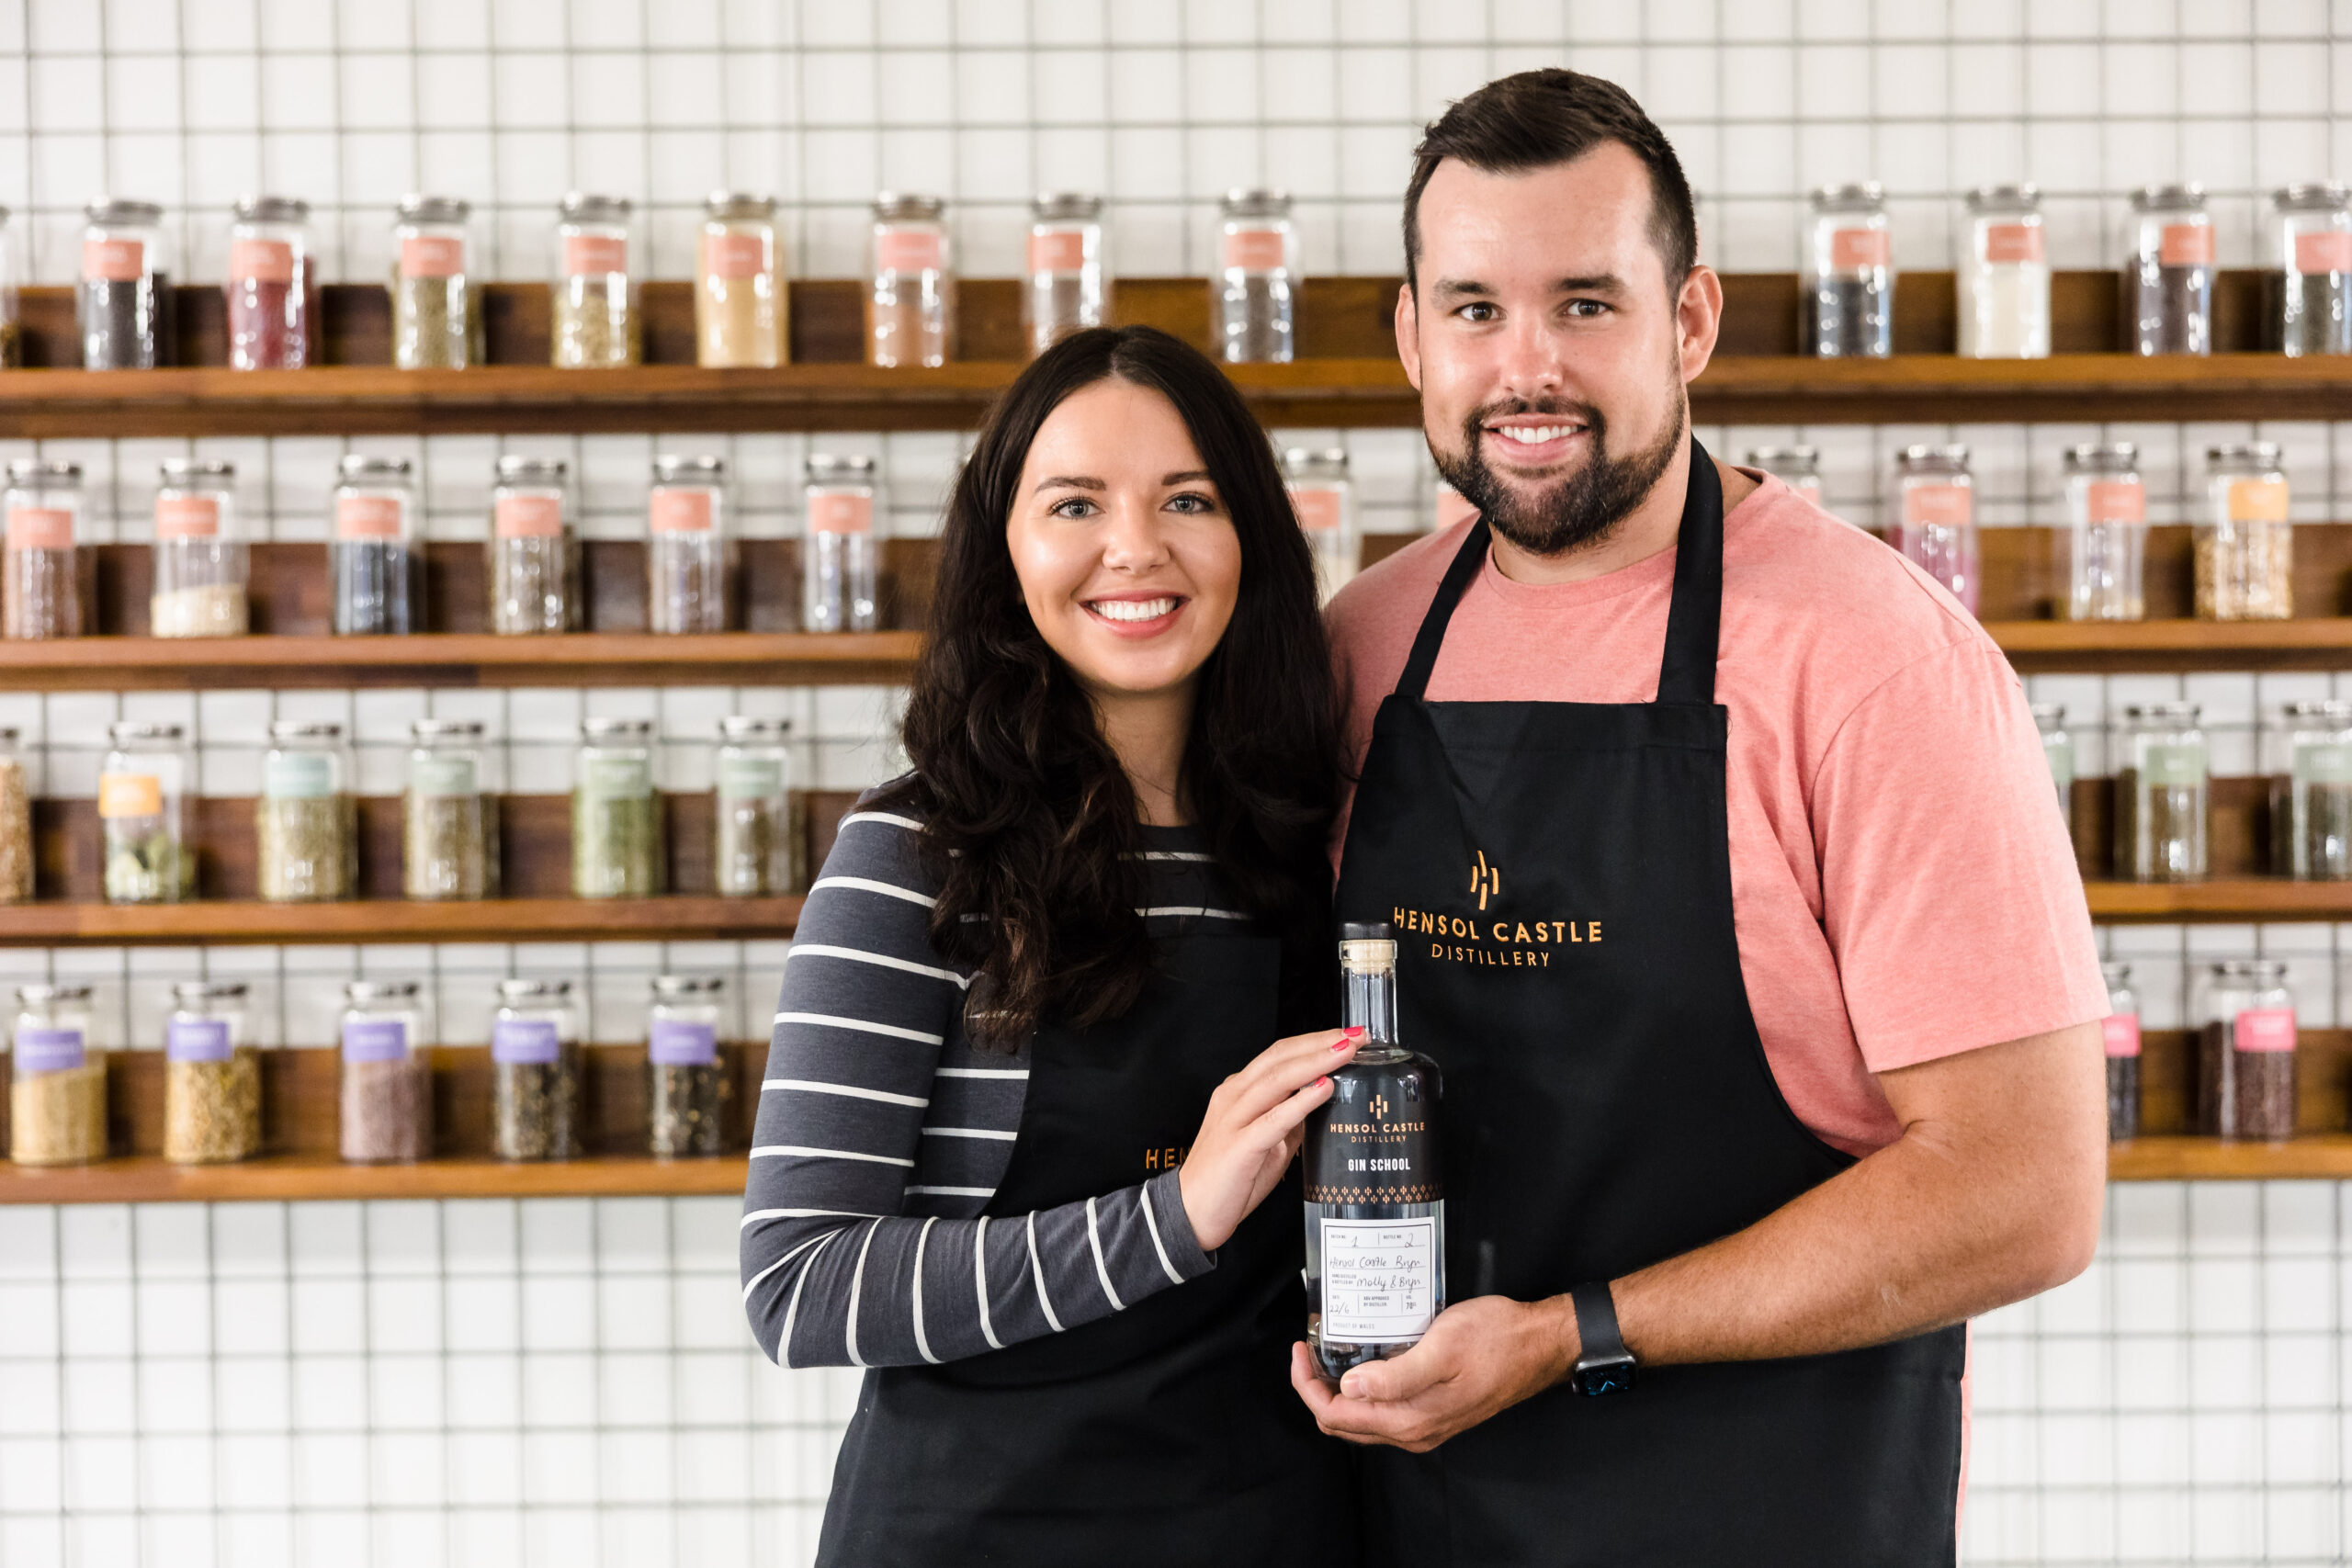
point(1370, 1003)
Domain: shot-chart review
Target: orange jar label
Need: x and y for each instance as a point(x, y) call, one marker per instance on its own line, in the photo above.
point(2116, 501)
point(733, 255)
point(1060, 249)
point(1855, 250)
point(261, 261)
point(679, 512)
point(594, 256)
point(1937, 506)
point(527, 517)
point(130, 795)
point(432, 255)
point(841, 514)
point(2185, 244)
point(2330, 250)
point(186, 517)
point(2258, 500)
point(2011, 243)
point(113, 261)
point(908, 250)
point(41, 528)
point(1318, 510)
point(366, 517)
point(1253, 250)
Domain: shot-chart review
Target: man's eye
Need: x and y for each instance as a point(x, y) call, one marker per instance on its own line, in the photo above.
point(1586, 309)
point(1479, 312)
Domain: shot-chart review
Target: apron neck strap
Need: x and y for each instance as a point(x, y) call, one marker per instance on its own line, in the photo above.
point(1693, 620)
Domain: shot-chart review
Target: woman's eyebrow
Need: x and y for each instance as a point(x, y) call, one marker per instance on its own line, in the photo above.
point(1187, 476)
point(1069, 481)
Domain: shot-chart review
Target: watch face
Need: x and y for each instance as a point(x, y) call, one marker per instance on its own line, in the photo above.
point(1607, 1377)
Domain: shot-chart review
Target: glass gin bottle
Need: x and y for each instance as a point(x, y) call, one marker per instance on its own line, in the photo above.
point(1375, 1200)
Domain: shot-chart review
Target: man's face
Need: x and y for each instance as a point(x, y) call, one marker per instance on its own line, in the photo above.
point(1550, 352)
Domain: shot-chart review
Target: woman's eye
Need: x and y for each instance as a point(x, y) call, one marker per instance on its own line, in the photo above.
point(1192, 504)
point(1072, 506)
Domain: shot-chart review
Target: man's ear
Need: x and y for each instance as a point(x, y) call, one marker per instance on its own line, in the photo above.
point(1408, 335)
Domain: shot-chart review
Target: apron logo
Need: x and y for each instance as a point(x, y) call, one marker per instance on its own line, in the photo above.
point(1379, 1108)
point(1486, 881)
point(1494, 943)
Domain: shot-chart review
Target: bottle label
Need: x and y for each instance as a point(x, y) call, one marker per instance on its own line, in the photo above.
point(679, 510)
point(594, 256)
point(433, 255)
point(375, 1039)
point(733, 255)
point(1860, 250)
point(2008, 243)
point(1253, 250)
point(2258, 500)
point(1938, 505)
point(2115, 500)
point(261, 261)
point(527, 517)
point(113, 261)
point(366, 517)
point(41, 528)
point(908, 250)
point(197, 1040)
point(525, 1042)
point(1379, 1279)
point(1318, 510)
point(2324, 762)
point(297, 775)
point(675, 1042)
point(2264, 1029)
point(2173, 767)
point(750, 778)
point(186, 517)
point(439, 778)
point(48, 1050)
point(2329, 250)
point(2122, 1034)
point(617, 778)
point(2185, 244)
point(841, 513)
point(130, 795)
point(1057, 251)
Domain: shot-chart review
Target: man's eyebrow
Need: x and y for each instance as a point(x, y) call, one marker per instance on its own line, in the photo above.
point(1471, 288)
point(1070, 481)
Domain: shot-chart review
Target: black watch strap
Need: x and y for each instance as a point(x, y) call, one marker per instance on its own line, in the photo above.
point(1603, 1364)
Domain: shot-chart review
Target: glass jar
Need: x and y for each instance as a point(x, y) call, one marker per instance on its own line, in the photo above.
point(1799, 467)
point(2058, 752)
point(595, 322)
point(739, 304)
point(1323, 498)
point(756, 833)
point(911, 308)
point(685, 547)
point(41, 586)
point(2168, 287)
point(2106, 534)
point(1848, 280)
point(306, 828)
point(535, 1070)
point(12, 331)
point(202, 566)
point(16, 822)
point(1066, 284)
point(1938, 530)
point(1252, 297)
point(143, 787)
point(534, 576)
point(686, 1086)
point(615, 812)
point(2245, 547)
point(2245, 1053)
point(387, 1075)
point(273, 287)
point(57, 1088)
point(449, 813)
point(841, 558)
point(373, 559)
point(124, 301)
point(211, 1077)
point(2004, 277)
point(2162, 794)
point(2122, 1032)
point(437, 322)
point(2311, 241)
point(2310, 792)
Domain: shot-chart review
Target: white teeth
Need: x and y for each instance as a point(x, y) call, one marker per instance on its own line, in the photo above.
point(1132, 609)
point(1537, 434)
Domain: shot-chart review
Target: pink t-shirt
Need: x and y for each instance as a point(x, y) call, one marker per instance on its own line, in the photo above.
point(1903, 888)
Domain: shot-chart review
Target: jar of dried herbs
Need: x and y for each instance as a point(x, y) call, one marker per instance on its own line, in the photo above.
point(143, 787)
point(2245, 1053)
point(685, 545)
point(57, 1088)
point(2308, 760)
point(740, 307)
point(201, 564)
point(12, 332)
point(1066, 283)
point(16, 822)
point(757, 832)
point(2161, 794)
point(1323, 498)
point(534, 576)
point(2168, 286)
point(2058, 751)
point(373, 557)
point(615, 812)
point(686, 1086)
point(40, 584)
point(910, 303)
point(2122, 1032)
point(595, 322)
point(536, 1068)
point(2245, 547)
point(1254, 295)
point(273, 287)
point(436, 320)
point(211, 1077)
point(449, 813)
point(125, 299)
point(2312, 230)
point(841, 552)
point(387, 1076)
point(306, 830)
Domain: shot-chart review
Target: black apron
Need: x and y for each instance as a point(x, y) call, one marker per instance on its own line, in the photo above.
point(1166, 1434)
point(1559, 874)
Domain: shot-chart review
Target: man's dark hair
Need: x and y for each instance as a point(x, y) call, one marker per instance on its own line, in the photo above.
point(1537, 118)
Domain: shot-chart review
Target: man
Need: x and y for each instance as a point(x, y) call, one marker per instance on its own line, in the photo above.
point(1769, 1028)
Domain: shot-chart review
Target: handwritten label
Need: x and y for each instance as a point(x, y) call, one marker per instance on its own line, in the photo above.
point(841, 514)
point(41, 528)
point(2330, 250)
point(433, 255)
point(679, 512)
point(113, 261)
point(2258, 500)
point(130, 795)
point(1379, 1279)
point(366, 517)
point(594, 256)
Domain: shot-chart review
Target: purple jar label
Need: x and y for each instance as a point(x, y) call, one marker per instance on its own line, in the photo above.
point(375, 1039)
point(197, 1040)
point(676, 1044)
point(48, 1050)
point(527, 1042)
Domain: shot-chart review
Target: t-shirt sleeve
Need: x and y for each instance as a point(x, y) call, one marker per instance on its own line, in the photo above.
point(1950, 894)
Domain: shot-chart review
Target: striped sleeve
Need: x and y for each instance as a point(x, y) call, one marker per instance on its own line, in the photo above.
point(836, 1268)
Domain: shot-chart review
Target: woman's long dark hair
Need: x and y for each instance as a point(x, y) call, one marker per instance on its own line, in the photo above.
point(1029, 820)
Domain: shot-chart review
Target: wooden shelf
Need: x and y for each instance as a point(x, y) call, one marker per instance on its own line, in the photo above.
point(2113, 647)
point(676, 918)
point(2234, 899)
point(2322, 1157)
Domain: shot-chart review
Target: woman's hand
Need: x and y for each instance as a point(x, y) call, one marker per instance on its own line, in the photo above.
point(1252, 1129)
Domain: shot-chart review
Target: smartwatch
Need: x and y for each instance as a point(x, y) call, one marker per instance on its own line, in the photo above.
point(1603, 1364)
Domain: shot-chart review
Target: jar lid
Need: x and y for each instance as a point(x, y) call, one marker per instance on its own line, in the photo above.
point(828, 468)
point(360, 466)
point(2150, 199)
point(305, 730)
point(1772, 459)
point(516, 468)
point(688, 984)
point(2248, 969)
point(741, 726)
point(2047, 715)
point(124, 730)
point(362, 992)
point(1065, 207)
point(1847, 198)
point(113, 209)
point(444, 730)
point(44, 471)
point(210, 991)
point(738, 204)
point(2105, 456)
point(1316, 462)
point(2260, 454)
point(2170, 713)
point(1934, 458)
point(1256, 201)
point(2329, 708)
point(2006, 198)
point(616, 729)
point(184, 470)
point(521, 987)
point(2115, 973)
point(582, 206)
point(2323, 194)
point(53, 993)
point(670, 469)
point(416, 208)
point(904, 206)
point(272, 209)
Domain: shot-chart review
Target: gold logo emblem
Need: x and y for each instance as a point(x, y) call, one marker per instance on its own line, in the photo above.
point(1486, 881)
point(1379, 1108)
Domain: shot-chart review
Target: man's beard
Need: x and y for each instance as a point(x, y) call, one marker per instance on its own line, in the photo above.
point(1579, 509)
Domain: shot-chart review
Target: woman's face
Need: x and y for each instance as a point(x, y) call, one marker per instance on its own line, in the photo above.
point(1127, 558)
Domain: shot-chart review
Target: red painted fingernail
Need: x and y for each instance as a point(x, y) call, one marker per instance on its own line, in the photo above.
point(1320, 1083)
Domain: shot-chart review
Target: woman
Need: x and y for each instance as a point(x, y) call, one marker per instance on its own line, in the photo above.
point(1022, 1140)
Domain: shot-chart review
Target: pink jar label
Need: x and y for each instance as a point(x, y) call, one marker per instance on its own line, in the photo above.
point(261, 261)
point(2116, 501)
point(366, 517)
point(41, 528)
point(2266, 1029)
point(908, 250)
point(841, 514)
point(1062, 250)
point(2258, 500)
point(186, 517)
point(527, 517)
point(1254, 250)
point(1937, 506)
point(432, 255)
point(594, 255)
point(1852, 250)
point(113, 261)
point(2185, 244)
point(733, 255)
point(679, 512)
point(2013, 241)
point(2122, 1035)
point(1319, 510)
point(2329, 250)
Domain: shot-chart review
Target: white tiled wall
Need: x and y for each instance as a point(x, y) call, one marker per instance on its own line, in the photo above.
point(489, 1382)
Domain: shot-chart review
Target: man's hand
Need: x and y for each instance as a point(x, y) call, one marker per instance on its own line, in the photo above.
point(1479, 1357)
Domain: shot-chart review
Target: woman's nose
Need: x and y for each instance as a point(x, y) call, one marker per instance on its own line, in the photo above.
point(1132, 539)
